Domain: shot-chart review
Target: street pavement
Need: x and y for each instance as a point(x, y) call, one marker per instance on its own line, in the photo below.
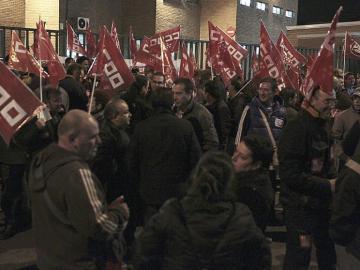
point(18, 253)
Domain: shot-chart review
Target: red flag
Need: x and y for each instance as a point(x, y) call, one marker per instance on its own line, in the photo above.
point(254, 63)
point(352, 47)
point(132, 43)
point(17, 103)
point(171, 39)
point(186, 65)
point(271, 63)
point(100, 44)
point(227, 75)
point(193, 61)
point(321, 72)
point(144, 56)
point(20, 58)
point(224, 51)
point(45, 52)
point(114, 35)
point(90, 44)
point(111, 65)
point(289, 54)
point(73, 43)
point(168, 67)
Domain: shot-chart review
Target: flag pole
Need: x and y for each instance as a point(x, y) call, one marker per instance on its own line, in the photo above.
point(344, 51)
point(162, 54)
point(39, 48)
point(92, 93)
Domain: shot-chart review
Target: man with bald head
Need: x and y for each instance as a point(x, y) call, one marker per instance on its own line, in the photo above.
point(72, 222)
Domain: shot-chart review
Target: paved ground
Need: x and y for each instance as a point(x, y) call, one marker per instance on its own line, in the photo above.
point(17, 253)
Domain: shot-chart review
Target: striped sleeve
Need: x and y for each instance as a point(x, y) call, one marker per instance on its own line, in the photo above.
point(101, 216)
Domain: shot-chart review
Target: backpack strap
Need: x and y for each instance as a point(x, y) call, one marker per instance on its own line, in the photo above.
point(353, 165)
point(241, 125)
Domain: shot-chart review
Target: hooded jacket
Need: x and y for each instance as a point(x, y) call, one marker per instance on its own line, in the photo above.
point(74, 234)
point(221, 235)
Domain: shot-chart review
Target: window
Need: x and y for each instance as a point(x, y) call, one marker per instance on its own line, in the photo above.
point(289, 14)
point(245, 2)
point(276, 10)
point(261, 6)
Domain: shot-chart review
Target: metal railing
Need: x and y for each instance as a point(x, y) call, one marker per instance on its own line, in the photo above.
point(198, 47)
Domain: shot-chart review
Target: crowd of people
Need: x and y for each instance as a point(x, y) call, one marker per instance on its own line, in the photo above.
point(185, 176)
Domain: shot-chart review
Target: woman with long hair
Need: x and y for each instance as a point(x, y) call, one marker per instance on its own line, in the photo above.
point(205, 229)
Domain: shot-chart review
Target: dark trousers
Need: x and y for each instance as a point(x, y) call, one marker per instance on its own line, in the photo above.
point(317, 226)
point(13, 194)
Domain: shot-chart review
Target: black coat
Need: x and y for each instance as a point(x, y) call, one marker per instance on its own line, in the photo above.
point(163, 151)
point(236, 105)
point(345, 219)
point(254, 189)
point(305, 167)
point(222, 234)
point(77, 93)
point(222, 121)
point(111, 164)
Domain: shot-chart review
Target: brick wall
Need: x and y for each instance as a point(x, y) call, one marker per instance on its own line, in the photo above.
point(248, 20)
point(220, 13)
point(48, 11)
point(173, 13)
point(12, 13)
point(140, 15)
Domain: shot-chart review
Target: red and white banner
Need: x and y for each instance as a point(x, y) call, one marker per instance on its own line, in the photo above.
point(271, 63)
point(133, 48)
point(290, 55)
point(17, 103)
point(321, 71)
point(225, 53)
point(186, 65)
point(171, 39)
point(168, 67)
point(90, 44)
point(110, 65)
point(254, 63)
point(114, 35)
point(44, 51)
point(143, 55)
point(20, 58)
point(352, 47)
point(73, 43)
point(193, 61)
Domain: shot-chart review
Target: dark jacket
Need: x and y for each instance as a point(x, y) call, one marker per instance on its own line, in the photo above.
point(305, 167)
point(139, 108)
point(236, 105)
point(254, 189)
point(74, 240)
point(33, 139)
point(76, 92)
point(254, 124)
point(163, 151)
point(345, 219)
point(222, 121)
point(111, 164)
point(203, 124)
point(221, 234)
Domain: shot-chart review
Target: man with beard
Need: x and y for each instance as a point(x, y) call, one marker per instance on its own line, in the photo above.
point(307, 182)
